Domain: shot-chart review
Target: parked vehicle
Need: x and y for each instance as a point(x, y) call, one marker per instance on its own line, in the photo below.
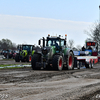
point(14, 53)
point(25, 52)
point(8, 54)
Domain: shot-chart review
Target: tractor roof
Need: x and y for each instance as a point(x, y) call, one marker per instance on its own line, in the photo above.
point(25, 45)
point(55, 37)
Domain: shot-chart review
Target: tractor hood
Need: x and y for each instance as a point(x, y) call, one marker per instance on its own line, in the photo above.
point(23, 53)
point(49, 51)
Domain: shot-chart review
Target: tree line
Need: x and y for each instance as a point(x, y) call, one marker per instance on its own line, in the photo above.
point(7, 44)
point(94, 33)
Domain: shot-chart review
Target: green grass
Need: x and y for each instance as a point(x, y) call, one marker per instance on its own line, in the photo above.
point(11, 68)
point(4, 65)
point(14, 66)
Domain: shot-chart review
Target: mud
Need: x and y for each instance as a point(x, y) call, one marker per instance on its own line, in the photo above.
point(28, 84)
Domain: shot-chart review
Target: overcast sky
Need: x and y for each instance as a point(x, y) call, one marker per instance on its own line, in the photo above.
point(26, 21)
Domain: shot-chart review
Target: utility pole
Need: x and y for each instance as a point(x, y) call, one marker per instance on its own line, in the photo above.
point(99, 19)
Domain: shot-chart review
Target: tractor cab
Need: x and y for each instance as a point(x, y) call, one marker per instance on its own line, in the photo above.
point(57, 42)
point(92, 47)
point(28, 48)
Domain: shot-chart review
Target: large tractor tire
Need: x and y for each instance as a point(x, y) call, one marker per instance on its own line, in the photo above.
point(35, 58)
point(17, 58)
point(57, 62)
point(89, 65)
point(78, 65)
point(92, 64)
point(70, 61)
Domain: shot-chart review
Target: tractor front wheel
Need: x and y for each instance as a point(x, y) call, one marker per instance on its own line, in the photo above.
point(17, 58)
point(35, 58)
point(70, 61)
point(57, 62)
point(89, 65)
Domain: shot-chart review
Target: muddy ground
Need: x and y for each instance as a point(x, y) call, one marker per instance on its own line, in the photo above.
point(11, 61)
point(27, 84)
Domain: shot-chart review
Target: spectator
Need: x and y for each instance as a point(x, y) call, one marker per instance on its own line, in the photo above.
point(89, 48)
point(83, 48)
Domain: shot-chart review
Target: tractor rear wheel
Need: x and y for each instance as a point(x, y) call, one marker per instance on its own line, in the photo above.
point(78, 65)
point(17, 58)
point(70, 61)
point(57, 62)
point(92, 64)
point(35, 58)
point(89, 65)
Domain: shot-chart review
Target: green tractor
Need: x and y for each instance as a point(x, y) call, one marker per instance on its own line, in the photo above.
point(25, 53)
point(54, 55)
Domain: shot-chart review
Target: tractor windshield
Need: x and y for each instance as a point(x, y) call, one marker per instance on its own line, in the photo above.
point(55, 42)
point(26, 47)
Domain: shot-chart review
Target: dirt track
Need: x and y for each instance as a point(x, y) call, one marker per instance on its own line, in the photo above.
point(26, 84)
point(11, 61)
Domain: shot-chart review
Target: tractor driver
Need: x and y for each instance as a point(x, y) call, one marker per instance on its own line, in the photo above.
point(83, 48)
point(56, 44)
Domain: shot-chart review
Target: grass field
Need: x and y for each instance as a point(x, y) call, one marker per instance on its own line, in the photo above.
point(10, 66)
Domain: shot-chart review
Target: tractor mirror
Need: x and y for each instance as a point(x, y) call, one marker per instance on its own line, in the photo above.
point(64, 42)
point(39, 42)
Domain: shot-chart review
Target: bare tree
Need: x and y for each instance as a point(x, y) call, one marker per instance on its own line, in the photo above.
point(94, 33)
point(79, 47)
point(71, 44)
point(14, 46)
point(7, 44)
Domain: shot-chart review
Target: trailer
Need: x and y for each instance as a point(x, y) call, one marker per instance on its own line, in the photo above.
point(87, 61)
point(88, 57)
